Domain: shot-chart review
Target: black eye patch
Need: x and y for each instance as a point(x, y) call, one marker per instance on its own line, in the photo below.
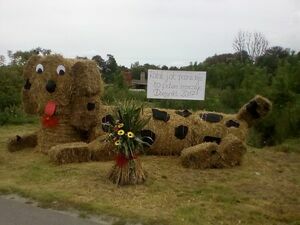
point(27, 85)
point(160, 115)
point(184, 113)
point(181, 131)
point(211, 117)
point(251, 107)
point(212, 139)
point(90, 106)
point(232, 123)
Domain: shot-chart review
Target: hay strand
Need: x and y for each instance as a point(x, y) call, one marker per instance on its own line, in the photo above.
point(129, 173)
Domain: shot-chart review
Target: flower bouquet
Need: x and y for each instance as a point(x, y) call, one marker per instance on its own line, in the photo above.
point(124, 132)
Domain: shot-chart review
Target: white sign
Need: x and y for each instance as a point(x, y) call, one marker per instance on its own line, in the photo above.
point(176, 84)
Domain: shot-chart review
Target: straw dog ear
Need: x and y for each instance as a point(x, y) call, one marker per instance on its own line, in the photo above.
point(87, 90)
point(87, 78)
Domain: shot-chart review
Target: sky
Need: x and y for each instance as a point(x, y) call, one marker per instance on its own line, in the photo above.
point(161, 32)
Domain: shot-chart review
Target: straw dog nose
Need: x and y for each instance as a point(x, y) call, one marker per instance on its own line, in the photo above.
point(50, 86)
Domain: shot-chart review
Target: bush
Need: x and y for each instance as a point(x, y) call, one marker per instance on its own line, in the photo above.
point(15, 115)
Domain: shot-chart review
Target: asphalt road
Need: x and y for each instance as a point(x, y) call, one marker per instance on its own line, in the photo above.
point(14, 212)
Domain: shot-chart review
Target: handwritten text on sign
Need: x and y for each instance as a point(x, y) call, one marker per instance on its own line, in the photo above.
point(170, 84)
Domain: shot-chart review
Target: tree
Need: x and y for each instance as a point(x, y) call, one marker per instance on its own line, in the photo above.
point(81, 57)
point(2, 60)
point(100, 62)
point(255, 44)
point(278, 51)
point(270, 60)
point(111, 64)
point(21, 57)
point(239, 44)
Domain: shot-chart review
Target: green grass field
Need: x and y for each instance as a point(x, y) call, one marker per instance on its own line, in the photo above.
point(264, 190)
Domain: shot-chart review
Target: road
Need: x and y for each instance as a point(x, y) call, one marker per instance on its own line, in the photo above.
point(15, 212)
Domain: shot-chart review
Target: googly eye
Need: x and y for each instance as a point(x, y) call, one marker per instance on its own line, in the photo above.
point(60, 70)
point(39, 68)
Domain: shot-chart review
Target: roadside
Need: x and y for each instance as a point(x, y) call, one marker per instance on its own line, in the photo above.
point(15, 210)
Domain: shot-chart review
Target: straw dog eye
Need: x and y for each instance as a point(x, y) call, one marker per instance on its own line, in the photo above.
point(39, 68)
point(60, 70)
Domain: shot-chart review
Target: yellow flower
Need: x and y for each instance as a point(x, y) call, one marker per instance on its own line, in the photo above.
point(121, 132)
point(130, 134)
point(118, 142)
point(120, 125)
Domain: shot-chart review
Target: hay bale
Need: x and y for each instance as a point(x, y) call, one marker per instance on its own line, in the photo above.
point(101, 149)
point(201, 156)
point(62, 133)
point(87, 77)
point(232, 150)
point(63, 83)
point(85, 112)
point(17, 143)
point(28, 104)
point(255, 109)
point(70, 153)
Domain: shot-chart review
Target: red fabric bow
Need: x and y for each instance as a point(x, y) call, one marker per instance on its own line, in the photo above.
point(49, 121)
point(121, 160)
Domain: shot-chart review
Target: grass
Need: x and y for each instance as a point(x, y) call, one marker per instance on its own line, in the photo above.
point(264, 190)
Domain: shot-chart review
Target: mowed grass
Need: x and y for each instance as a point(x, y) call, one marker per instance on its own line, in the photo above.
point(264, 190)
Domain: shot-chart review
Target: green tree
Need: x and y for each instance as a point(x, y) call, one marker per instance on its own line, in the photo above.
point(21, 57)
point(2, 60)
point(100, 62)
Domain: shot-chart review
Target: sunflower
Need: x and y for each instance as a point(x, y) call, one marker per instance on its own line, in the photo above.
point(121, 132)
point(130, 134)
point(118, 142)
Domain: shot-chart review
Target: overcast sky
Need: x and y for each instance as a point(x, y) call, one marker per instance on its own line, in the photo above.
point(170, 32)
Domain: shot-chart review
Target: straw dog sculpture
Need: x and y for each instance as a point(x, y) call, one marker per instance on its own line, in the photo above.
point(66, 94)
point(202, 139)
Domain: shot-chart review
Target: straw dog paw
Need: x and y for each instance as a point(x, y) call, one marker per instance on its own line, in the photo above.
point(227, 153)
point(20, 142)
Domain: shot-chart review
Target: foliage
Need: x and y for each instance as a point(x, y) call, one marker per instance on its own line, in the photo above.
point(136, 69)
point(21, 57)
point(15, 115)
point(2, 60)
point(11, 83)
point(108, 68)
point(125, 129)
